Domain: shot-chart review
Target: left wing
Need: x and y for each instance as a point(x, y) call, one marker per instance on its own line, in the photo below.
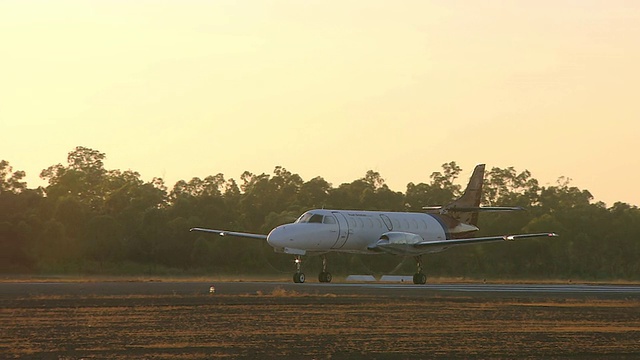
point(441, 209)
point(406, 247)
point(231, 233)
point(440, 243)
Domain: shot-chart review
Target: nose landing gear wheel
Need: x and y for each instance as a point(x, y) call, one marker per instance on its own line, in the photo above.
point(298, 278)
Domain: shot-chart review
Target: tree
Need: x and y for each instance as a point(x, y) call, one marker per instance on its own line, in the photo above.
point(88, 216)
point(104, 239)
point(508, 188)
point(446, 179)
point(83, 178)
point(264, 194)
point(350, 195)
point(314, 193)
point(211, 186)
point(440, 191)
point(564, 196)
point(374, 179)
point(11, 181)
point(72, 214)
point(13, 251)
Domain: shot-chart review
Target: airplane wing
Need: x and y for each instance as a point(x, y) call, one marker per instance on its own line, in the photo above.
point(231, 233)
point(424, 247)
point(440, 243)
point(472, 208)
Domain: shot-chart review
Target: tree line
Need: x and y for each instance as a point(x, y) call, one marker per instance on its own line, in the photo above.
point(91, 220)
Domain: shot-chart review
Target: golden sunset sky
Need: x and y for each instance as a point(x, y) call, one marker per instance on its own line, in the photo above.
point(177, 89)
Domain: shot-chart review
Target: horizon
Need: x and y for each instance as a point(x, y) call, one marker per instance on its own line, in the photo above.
point(461, 180)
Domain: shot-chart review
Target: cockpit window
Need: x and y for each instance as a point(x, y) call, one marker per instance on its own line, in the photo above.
point(329, 219)
point(314, 218)
point(304, 218)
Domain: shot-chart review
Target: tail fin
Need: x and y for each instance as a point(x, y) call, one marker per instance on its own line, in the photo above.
point(470, 199)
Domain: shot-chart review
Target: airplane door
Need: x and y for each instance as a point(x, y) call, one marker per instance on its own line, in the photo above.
point(387, 222)
point(343, 230)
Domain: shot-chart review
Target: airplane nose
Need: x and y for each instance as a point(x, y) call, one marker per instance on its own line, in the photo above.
point(277, 237)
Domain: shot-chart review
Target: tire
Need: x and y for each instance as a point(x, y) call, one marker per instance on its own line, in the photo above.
point(324, 277)
point(298, 278)
point(419, 278)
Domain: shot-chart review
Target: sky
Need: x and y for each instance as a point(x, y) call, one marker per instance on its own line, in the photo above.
point(182, 89)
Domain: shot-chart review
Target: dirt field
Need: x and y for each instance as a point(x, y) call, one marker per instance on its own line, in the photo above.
point(286, 324)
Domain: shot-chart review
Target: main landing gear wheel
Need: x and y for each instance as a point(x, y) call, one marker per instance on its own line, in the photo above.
point(298, 277)
point(325, 276)
point(419, 277)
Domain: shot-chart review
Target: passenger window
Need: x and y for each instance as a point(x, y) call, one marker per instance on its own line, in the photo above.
point(329, 219)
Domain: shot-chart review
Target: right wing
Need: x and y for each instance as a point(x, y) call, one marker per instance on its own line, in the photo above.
point(231, 233)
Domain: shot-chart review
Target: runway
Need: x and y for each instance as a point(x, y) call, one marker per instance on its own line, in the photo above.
point(9, 290)
point(182, 320)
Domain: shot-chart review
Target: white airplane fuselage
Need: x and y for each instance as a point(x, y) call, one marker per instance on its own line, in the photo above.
point(319, 231)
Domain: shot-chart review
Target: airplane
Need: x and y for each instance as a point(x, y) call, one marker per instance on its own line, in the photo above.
point(321, 231)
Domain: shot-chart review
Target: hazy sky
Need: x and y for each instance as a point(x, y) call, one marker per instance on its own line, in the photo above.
point(178, 89)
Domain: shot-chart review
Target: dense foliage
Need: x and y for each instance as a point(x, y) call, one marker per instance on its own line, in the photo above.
point(90, 220)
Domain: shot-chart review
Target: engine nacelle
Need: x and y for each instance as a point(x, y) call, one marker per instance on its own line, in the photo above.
point(400, 238)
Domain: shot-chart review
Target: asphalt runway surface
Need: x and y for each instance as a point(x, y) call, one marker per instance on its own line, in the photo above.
point(166, 319)
point(144, 288)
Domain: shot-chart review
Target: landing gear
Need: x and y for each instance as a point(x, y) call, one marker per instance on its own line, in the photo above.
point(298, 277)
point(419, 277)
point(324, 276)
